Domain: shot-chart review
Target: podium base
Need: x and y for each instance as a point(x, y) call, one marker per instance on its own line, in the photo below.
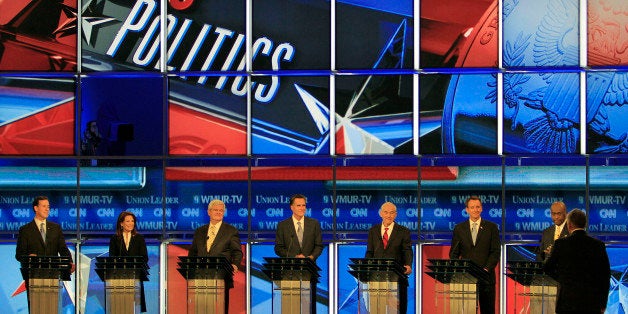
point(295, 297)
point(43, 295)
point(123, 296)
point(206, 296)
point(380, 297)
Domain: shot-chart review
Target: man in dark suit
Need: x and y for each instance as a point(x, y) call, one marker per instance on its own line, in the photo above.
point(218, 238)
point(391, 240)
point(299, 236)
point(478, 240)
point(580, 265)
point(558, 210)
point(30, 239)
point(40, 237)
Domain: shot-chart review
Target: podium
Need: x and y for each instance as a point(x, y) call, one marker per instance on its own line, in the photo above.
point(534, 290)
point(122, 276)
point(43, 275)
point(456, 288)
point(381, 284)
point(208, 280)
point(294, 284)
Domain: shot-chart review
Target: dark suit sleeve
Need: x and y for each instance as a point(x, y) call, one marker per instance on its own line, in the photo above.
point(21, 249)
point(456, 243)
point(61, 246)
point(280, 244)
point(318, 240)
point(551, 264)
point(495, 248)
point(235, 247)
point(195, 242)
point(372, 242)
point(141, 248)
point(407, 248)
point(604, 282)
point(114, 245)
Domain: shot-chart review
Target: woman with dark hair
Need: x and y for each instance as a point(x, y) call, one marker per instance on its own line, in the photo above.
point(128, 242)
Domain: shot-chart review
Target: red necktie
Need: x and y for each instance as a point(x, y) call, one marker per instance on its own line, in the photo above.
point(385, 238)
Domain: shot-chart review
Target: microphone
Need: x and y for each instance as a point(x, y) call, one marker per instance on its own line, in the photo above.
point(290, 245)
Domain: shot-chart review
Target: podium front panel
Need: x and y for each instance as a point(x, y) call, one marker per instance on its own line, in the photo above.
point(379, 297)
point(206, 296)
point(292, 296)
point(122, 296)
point(44, 295)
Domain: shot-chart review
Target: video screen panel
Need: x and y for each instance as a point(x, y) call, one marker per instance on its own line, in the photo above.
point(606, 112)
point(136, 187)
point(196, 183)
point(362, 188)
point(608, 203)
point(290, 115)
point(13, 287)
point(177, 285)
point(531, 190)
point(93, 288)
point(519, 297)
point(542, 112)
point(21, 180)
point(262, 288)
point(435, 294)
point(458, 33)
point(272, 205)
point(348, 287)
point(291, 35)
point(374, 114)
point(37, 115)
point(542, 33)
point(130, 121)
point(38, 35)
point(446, 185)
point(374, 34)
point(207, 121)
point(458, 113)
point(120, 36)
point(606, 37)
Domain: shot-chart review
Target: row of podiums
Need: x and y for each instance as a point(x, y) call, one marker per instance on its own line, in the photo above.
point(294, 283)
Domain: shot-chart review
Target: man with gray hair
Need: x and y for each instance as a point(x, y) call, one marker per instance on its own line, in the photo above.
point(580, 265)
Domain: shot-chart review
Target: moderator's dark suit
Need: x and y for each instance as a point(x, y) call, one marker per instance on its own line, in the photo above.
point(29, 241)
point(137, 247)
point(399, 247)
point(485, 253)
point(547, 239)
point(287, 243)
point(580, 265)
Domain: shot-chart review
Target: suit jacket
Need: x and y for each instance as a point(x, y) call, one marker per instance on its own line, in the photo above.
point(227, 243)
point(399, 244)
point(137, 247)
point(547, 240)
point(580, 265)
point(29, 241)
point(287, 243)
point(485, 252)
